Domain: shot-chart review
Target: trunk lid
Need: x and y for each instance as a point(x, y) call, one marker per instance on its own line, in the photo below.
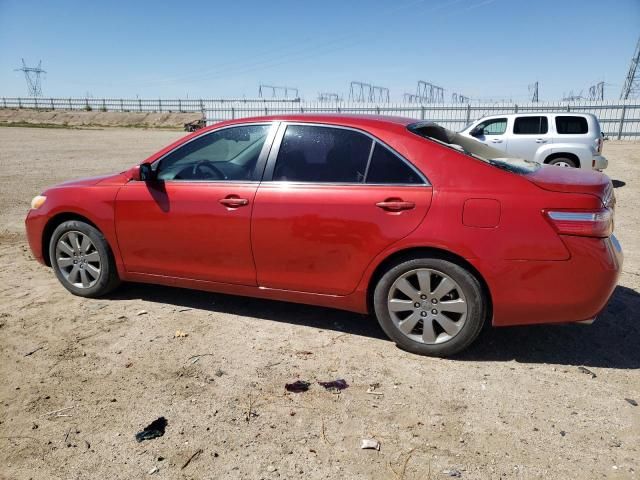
point(571, 180)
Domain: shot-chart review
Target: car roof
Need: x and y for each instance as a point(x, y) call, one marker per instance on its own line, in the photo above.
point(538, 114)
point(345, 119)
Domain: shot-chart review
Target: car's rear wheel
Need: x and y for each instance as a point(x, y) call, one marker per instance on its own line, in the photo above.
point(430, 306)
point(563, 162)
point(82, 260)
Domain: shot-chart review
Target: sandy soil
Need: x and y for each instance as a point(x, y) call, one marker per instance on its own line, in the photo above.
point(516, 405)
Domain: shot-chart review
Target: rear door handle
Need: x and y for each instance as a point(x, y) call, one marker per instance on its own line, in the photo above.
point(233, 201)
point(496, 140)
point(392, 205)
point(540, 140)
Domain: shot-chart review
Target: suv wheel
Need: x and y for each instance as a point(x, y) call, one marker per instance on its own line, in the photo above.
point(563, 162)
point(82, 259)
point(430, 306)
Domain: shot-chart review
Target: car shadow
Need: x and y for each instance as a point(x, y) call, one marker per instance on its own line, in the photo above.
point(611, 342)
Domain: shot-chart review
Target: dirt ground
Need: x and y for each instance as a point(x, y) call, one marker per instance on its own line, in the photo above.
point(516, 405)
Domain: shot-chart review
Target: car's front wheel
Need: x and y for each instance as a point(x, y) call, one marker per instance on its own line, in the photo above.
point(82, 260)
point(430, 306)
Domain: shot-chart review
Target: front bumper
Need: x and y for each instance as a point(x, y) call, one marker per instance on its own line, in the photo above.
point(566, 291)
point(34, 225)
point(598, 162)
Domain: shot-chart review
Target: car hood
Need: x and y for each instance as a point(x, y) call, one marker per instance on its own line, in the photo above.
point(111, 179)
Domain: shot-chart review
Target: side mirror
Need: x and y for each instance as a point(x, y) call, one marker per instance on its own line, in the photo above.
point(476, 132)
point(146, 172)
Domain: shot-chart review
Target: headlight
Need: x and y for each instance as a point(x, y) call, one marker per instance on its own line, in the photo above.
point(38, 201)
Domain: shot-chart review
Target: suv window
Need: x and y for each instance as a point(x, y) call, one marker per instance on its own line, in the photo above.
point(387, 167)
point(310, 153)
point(227, 154)
point(530, 125)
point(495, 126)
point(571, 125)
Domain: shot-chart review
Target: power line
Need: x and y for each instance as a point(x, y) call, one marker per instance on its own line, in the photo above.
point(32, 76)
point(631, 87)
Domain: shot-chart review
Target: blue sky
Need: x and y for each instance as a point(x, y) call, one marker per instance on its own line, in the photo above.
point(480, 48)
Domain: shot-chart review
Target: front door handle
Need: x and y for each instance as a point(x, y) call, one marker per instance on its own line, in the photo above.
point(540, 140)
point(233, 201)
point(496, 140)
point(395, 205)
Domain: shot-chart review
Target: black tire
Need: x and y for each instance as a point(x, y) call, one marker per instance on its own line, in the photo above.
point(560, 161)
point(477, 306)
point(107, 280)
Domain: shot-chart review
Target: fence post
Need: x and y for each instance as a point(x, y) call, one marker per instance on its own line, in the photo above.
point(52, 107)
point(19, 102)
point(86, 101)
point(70, 107)
point(568, 107)
point(139, 104)
point(159, 105)
point(104, 105)
point(621, 126)
point(468, 114)
point(36, 102)
point(180, 105)
point(515, 108)
point(202, 106)
point(4, 102)
point(233, 113)
point(121, 106)
point(422, 112)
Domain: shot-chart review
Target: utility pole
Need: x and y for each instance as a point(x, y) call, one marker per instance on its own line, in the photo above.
point(631, 87)
point(32, 76)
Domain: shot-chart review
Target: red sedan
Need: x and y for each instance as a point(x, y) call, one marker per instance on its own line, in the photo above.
point(432, 232)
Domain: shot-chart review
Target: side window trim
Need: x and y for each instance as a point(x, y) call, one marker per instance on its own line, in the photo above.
point(277, 142)
point(262, 158)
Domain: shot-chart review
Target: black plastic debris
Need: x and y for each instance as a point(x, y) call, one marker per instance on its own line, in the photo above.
point(335, 385)
point(631, 401)
point(297, 387)
point(587, 371)
point(154, 430)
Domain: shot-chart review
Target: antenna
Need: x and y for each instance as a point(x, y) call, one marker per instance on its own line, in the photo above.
point(32, 76)
point(631, 87)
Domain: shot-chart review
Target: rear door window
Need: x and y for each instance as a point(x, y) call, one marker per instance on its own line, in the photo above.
point(387, 168)
point(310, 153)
point(570, 125)
point(530, 126)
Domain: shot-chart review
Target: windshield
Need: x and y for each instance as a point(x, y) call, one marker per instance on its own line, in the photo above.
point(473, 148)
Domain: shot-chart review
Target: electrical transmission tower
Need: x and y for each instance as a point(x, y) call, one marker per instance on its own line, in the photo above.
point(379, 94)
point(571, 97)
point(32, 76)
point(329, 97)
point(459, 98)
point(631, 87)
point(533, 91)
point(429, 93)
point(360, 91)
point(411, 98)
point(277, 91)
point(596, 92)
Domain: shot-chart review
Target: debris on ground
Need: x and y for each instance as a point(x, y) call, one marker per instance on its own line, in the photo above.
point(370, 444)
point(31, 352)
point(58, 413)
point(180, 334)
point(587, 371)
point(154, 430)
point(195, 358)
point(335, 385)
point(298, 386)
point(453, 473)
point(141, 312)
point(373, 387)
point(153, 470)
point(631, 401)
point(303, 353)
point(191, 458)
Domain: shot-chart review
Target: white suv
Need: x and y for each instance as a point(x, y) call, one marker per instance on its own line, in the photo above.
point(563, 139)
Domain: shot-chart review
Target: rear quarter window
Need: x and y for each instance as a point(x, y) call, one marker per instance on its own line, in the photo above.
point(569, 125)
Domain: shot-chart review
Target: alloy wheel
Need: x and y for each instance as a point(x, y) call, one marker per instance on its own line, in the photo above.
point(78, 259)
point(427, 306)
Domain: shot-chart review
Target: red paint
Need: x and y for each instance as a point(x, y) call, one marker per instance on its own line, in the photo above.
point(321, 244)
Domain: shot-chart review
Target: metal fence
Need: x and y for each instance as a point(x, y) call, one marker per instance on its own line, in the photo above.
point(619, 119)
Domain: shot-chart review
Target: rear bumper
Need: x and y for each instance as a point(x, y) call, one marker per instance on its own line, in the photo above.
point(598, 162)
point(575, 290)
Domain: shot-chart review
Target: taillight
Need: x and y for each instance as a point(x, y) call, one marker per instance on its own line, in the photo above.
point(584, 223)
